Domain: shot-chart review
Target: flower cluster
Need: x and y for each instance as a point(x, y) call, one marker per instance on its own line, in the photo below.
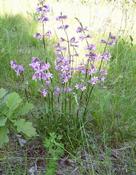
point(64, 68)
point(76, 72)
point(41, 70)
point(40, 36)
point(80, 86)
point(111, 40)
point(44, 92)
point(61, 19)
point(83, 32)
point(106, 56)
point(19, 69)
point(42, 11)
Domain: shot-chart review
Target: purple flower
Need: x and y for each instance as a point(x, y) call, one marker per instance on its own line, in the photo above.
point(48, 34)
point(47, 76)
point(43, 8)
point(106, 56)
point(92, 70)
point(19, 69)
point(64, 68)
point(111, 40)
point(94, 80)
point(39, 9)
point(35, 64)
point(103, 74)
point(112, 36)
point(91, 47)
point(43, 19)
point(68, 89)
point(44, 92)
point(39, 66)
point(48, 82)
point(57, 91)
point(44, 66)
point(65, 77)
point(82, 37)
point(73, 42)
point(62, 39)
point(103, 41)
point(81, 29)
point(41, 70)
point(80, 86)
point(91, 56)
point(60, 48)
point(61, 17)
point(64, 27)
point(46, 8)
point(37, 76)
point(38, 36)
point(13, 64)
point(82, 68)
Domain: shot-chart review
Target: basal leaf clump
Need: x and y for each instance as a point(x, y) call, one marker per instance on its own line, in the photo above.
point(12, 113)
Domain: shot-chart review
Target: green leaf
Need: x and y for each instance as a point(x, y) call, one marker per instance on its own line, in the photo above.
point(26, 108)
point(3, 136)
point(3, 121)
point(2, 93)
point(25, 127)
point(13, 101)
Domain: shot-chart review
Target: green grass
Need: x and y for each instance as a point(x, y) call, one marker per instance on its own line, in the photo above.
point(111, 124)
point(113, 110)
point(17, 43)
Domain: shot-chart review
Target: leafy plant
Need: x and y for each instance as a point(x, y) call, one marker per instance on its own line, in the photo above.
point(65, 86)
point(55, 150)
point(12, 109)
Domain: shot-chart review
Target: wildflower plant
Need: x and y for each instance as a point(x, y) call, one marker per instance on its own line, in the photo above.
point(66, 86)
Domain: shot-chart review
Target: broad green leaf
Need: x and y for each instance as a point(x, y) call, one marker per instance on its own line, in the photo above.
point(13, 101)
point(25, 127)
point(2, 93)
point(3, 121)
point(26, 108)
point(3, 136)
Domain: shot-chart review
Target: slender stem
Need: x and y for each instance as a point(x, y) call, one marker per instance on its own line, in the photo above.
point(87, 43)
point(88, 98)
point(79, 104)
point(69, 53)
point(83, 30)
point(65, 99)
point(43, 32)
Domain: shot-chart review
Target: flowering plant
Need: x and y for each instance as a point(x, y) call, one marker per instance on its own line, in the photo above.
point(67, 86)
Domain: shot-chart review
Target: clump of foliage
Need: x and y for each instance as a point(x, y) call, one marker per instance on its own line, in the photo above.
point(12, 110)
